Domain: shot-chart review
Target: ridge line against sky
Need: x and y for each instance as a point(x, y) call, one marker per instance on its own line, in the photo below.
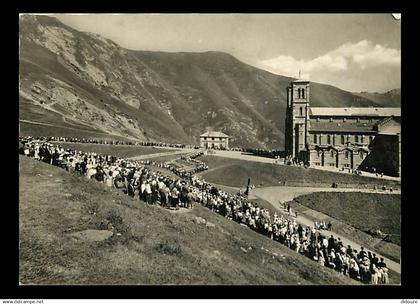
point(355, 52)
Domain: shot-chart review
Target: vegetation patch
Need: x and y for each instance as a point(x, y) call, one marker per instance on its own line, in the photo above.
point(235, 172)
point(368, 212)
point(370, 219)
point(115, 150)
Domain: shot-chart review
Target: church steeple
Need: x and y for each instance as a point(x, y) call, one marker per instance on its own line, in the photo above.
point(297, 116)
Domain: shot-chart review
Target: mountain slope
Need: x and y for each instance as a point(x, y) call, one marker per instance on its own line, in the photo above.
point(78, 80)
point(391, 98)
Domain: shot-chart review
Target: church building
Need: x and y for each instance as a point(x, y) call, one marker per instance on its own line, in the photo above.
point(355, 138)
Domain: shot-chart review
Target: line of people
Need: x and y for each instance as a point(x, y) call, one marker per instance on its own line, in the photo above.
point(137, 178)
point(258, 152)
point(114, 142)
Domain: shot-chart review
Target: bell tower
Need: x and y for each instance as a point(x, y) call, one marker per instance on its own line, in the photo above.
point(297, 116)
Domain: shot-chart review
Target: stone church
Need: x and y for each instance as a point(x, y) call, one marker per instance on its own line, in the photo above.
point(354, 138)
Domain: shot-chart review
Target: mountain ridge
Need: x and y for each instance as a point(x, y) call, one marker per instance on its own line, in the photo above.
point(154, 96)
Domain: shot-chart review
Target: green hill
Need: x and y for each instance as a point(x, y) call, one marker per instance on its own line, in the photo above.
point(75, 231)
point(235, 173)
point(391, 98)
point(74, 81)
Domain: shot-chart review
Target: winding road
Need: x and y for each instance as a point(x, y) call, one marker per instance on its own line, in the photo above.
point(277, 194)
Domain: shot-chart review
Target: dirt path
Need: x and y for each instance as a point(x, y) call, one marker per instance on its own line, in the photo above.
point(276, 195)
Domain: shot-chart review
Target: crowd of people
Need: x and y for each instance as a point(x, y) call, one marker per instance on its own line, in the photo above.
point(115, 142)
point(258, 152)
point(134, 177)
point(144, 180)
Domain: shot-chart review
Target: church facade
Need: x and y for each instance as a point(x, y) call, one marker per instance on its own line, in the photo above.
point(351, 138)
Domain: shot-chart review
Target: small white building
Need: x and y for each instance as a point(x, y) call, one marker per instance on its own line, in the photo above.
point(214, 140)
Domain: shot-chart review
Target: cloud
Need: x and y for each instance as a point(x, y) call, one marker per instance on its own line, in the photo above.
point(363, 54)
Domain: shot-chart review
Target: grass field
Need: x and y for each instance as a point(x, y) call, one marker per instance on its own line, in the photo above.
point(75, 231)
point(235, 172)
point(166, 158)
point(115, 150)
point(355, 215)
point(365, 211)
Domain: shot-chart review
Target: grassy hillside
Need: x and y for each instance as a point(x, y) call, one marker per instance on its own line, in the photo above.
point(391, 98)
point(75, 231)
point(115, 150)
point(356, 216)
point(235, 172)
point(365, 211)
point(157, 96)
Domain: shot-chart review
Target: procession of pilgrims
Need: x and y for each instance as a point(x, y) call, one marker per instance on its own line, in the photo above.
point(138, 179)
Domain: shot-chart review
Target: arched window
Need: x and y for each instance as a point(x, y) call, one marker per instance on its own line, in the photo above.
point(332, 153)
point(315, 139)
point(303, 93)
point(343, 139)
point(329, 139)
point(301, 111)
point(361, 154)
point(298, 93)
point(356, 138)
point(347, 154)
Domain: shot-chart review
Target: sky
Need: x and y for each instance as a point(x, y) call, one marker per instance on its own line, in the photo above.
point(355, 52)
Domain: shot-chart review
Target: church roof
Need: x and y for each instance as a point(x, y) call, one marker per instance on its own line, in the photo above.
point(213, 134)
point(388, 120)
point(326, 126)
point(351, 111)
point(390, 126)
